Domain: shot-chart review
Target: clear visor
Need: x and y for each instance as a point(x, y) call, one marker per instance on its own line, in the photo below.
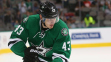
point(51, 19)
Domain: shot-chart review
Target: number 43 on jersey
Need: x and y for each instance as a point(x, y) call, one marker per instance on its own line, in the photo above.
point(65, 47)
point(19, 29)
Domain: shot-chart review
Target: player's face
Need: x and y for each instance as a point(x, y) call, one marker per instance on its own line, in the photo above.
point(50, 22)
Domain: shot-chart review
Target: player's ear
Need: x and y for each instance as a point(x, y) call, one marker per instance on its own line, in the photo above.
point(40, 16)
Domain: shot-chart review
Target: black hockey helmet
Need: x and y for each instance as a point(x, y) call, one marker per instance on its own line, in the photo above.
point(48, 10)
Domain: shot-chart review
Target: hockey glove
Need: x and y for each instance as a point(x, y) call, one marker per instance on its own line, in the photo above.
point(30, 55)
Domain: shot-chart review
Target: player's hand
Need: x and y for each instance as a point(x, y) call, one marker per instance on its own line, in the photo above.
point(30, 55)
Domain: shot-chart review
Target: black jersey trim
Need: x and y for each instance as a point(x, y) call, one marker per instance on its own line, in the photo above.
point(12, 42)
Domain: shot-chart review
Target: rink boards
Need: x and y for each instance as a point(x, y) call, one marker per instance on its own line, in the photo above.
point(80, 38)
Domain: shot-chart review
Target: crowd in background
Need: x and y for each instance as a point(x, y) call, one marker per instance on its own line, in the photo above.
point(75, 13)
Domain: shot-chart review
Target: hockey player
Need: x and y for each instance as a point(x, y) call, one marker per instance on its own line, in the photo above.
point(47, 35)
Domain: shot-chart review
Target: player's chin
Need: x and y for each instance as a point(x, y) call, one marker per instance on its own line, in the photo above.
point(50, 27)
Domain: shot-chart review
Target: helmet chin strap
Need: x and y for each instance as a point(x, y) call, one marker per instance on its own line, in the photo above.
point(44, 25)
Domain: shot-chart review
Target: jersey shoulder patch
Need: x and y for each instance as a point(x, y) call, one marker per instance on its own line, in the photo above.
point(25, 19)
point(64, 32)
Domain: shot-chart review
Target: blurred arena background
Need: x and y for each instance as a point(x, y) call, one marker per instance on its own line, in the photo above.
point(89, 23)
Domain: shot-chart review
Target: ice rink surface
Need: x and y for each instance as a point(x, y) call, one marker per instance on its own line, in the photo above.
point(97, 54)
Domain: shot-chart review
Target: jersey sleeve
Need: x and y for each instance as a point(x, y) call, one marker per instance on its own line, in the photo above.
point(18, 38)
point(62, 47)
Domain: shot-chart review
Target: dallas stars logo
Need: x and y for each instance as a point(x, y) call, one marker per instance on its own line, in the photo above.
point(41, 49)
point(64, 32)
